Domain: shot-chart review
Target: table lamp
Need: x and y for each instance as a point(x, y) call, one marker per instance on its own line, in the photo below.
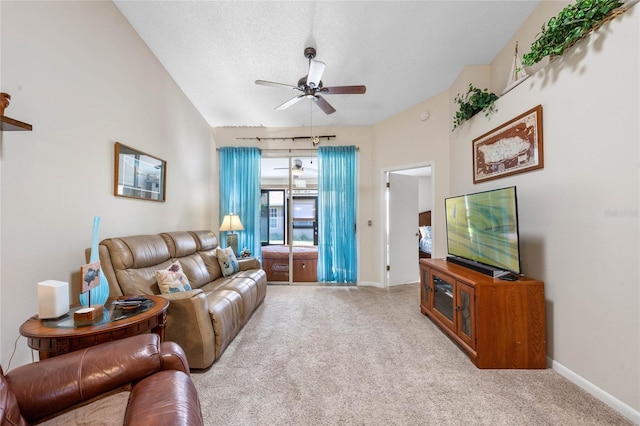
point(230, 223)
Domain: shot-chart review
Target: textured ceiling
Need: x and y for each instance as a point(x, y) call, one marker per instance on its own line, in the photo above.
point(404, 52)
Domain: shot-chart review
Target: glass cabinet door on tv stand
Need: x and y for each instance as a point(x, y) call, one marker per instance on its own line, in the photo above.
point(443, 288)
point(426, 301)
point(465, 314)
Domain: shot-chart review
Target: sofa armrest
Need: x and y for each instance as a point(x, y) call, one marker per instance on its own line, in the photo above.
point(165, 398)
point(173, 357)
point(251, 263)
point(55, 384)
point(189, 325)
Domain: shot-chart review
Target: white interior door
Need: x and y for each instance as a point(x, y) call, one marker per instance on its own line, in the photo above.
point(402, 229)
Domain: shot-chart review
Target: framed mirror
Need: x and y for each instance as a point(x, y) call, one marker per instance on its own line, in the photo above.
point(139, 175)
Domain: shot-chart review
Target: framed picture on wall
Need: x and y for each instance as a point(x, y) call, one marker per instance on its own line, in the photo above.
point(514, 147)
point(138, 175)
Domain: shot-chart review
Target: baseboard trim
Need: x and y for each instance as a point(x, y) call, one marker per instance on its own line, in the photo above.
point(624, 409)
point(369, 284)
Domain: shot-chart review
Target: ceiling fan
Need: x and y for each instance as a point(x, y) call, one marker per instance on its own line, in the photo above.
point(311, 86)
point(297, 168)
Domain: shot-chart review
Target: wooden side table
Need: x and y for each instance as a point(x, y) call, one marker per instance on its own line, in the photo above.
point(52, 337)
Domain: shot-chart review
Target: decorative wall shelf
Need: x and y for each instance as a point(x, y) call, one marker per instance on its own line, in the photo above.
point(9, 124)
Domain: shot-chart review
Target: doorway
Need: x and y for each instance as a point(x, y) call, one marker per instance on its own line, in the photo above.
point(408, 192)
point(289, 218)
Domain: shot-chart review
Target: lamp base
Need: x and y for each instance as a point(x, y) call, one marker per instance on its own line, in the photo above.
point(232, 241)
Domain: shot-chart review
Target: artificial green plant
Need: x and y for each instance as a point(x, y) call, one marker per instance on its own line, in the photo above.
point(572, 23)
point(472, 102)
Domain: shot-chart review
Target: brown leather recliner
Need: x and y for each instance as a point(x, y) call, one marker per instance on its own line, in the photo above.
point(137, 379)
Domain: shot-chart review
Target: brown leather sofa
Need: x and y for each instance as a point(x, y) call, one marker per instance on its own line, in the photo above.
point(133, 381)
point(203, 320)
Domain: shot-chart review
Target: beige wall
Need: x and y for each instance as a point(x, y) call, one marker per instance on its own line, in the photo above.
point(405, 140)
point(83, 78)
point(84, 89)
point(579, 215)
point(526, 34)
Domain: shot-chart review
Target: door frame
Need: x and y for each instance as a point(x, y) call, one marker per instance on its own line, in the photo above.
point(385, 210)
point(290, 155)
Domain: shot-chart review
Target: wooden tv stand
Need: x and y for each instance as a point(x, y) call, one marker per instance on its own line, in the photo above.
point(500, 324)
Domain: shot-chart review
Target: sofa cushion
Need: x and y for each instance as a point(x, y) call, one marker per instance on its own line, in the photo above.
point(140, 281)
point(227, 260)
point(196, 270)
point(112, 407)
point(205, 240)
point(211, 263)
point(138, 251)
point(172, 279)
point(180, 243)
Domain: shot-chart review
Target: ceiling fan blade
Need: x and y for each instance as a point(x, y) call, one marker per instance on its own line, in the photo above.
point(324, 105)
point(316, 68)
point(271, 83)
point(290, 102)
point(344, 90)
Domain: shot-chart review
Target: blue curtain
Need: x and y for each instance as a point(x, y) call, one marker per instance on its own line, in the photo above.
point(240, 194)
point(337, 251)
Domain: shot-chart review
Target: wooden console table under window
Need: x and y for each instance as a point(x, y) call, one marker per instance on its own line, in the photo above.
point(52, 337)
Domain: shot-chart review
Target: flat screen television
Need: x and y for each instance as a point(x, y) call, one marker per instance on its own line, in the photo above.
point(482, 230)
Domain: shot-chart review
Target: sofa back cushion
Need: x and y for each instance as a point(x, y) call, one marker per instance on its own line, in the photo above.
point(205, 240)
point(137, 251)
point(135, 260)
point(183, 247)
point(207, 243)
point(180, 244)
point(130, 263)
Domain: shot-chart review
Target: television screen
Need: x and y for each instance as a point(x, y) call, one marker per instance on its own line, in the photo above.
point(483, 227)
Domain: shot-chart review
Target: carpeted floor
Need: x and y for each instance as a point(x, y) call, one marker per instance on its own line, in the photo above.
point(367, 356)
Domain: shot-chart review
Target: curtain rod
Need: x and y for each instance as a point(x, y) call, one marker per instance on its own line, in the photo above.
point(292, 149)
point(296, 149)
point(293, 138)
point(289, 149)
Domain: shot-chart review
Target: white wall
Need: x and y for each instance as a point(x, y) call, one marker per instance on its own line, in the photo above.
point(425, 194)
point(83, 78)
point(579, 214)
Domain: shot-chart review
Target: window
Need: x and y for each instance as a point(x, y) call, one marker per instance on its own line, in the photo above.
point(273, 218)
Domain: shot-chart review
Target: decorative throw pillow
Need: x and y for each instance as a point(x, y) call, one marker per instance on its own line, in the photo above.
point(172, 279)
point(227, 260)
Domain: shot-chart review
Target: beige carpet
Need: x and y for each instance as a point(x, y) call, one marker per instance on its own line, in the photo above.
point(367, 356)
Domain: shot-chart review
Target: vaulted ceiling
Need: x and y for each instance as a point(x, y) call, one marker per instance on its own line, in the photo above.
point(403, 51)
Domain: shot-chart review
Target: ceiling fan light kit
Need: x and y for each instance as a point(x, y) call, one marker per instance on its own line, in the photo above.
point(311, 86)
point(297, 168)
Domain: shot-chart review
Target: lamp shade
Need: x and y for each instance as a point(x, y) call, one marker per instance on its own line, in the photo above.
point(231, 222)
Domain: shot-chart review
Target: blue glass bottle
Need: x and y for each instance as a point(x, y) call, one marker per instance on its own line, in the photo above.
point(100, 293)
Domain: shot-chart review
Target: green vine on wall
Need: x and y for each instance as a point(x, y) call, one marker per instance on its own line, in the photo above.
point(472, 102)
point(572, 23)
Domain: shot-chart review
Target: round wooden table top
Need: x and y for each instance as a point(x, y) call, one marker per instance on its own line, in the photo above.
point(114, 318)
